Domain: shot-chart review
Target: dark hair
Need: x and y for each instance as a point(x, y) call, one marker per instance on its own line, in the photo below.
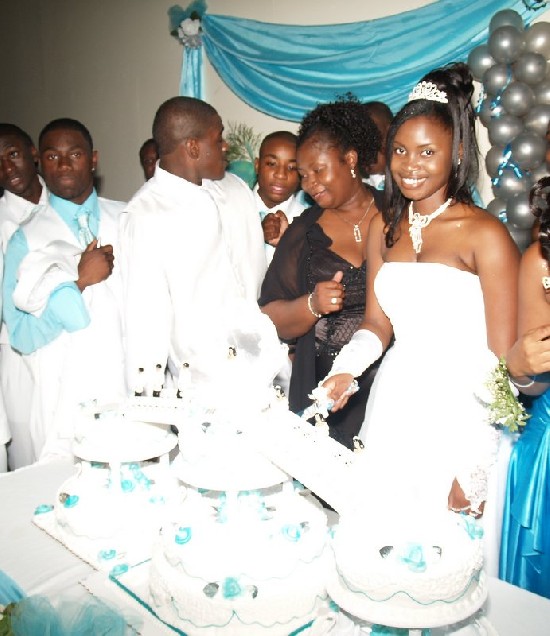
point(12, 129)
point(380, 110)
point(539, 200)
point(145, 144)
point(457, 116)
point(180, 118)
point(278, 134)
point(65, 123)
point(344, 124)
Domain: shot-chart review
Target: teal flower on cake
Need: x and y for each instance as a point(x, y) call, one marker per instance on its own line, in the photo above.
point(231, 588)
point(413, 557)
point(183, 535)
point(106, 555)
point(40, 510)
point(292, 532)
point(68, 501)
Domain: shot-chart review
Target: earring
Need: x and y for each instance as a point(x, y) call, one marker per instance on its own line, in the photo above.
point(353, 173)
point(459, 161)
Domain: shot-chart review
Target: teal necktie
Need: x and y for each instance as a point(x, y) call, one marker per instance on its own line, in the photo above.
point(85, 235)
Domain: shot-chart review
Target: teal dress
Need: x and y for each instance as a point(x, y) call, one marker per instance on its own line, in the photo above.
point(525, 546)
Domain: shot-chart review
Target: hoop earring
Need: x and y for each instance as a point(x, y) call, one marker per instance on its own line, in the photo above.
point(354, 176)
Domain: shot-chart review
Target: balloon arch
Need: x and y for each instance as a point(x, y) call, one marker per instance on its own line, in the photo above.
point(514, 105)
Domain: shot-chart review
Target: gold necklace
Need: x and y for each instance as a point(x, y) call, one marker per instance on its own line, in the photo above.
point(356, 229)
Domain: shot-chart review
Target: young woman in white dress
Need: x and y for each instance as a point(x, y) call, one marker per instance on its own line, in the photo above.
point(442, 279)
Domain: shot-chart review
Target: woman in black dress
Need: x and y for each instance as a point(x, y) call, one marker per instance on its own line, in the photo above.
point(314, 290)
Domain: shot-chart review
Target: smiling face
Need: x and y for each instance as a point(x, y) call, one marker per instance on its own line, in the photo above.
point(326, 172)
point(276, 169)
point(67, 164)
point(421, 161)
point(18, 166)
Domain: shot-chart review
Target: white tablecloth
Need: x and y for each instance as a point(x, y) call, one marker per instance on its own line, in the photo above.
point(41, 565)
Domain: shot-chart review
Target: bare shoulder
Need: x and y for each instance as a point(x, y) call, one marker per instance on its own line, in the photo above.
point(487, 231)
point(533, 262)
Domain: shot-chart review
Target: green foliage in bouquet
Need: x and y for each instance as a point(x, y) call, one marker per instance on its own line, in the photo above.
point(505, 409)
point(5, 620)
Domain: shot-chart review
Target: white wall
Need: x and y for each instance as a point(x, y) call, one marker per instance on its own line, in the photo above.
point(111, 63)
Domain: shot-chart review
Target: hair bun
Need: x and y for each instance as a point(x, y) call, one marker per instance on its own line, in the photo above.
point(455, 79)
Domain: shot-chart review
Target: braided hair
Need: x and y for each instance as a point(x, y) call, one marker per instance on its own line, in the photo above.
point(345, 125)
point(539, 200)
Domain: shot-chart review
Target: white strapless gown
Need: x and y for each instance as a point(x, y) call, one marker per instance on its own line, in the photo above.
point(423, 423)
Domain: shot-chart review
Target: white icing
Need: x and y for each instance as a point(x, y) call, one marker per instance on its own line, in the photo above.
point(262, 556)
point(431, 574)
point(108, 521)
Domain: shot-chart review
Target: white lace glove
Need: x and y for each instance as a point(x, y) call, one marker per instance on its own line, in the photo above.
point(361, 351)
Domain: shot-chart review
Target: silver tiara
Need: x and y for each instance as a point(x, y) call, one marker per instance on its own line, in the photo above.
point(427, 90)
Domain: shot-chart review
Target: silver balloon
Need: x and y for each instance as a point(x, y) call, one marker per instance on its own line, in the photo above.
point(542, 92)
point(522, 238)
point(487, 113)
point(530, 68)
point(528, 150)
point(496, 78)
point(518, 211)
point(537, 39)
point(507, 17)
point(510, 184)
point(518, 98)
point(479, 60)
point(503, 129)
point(493, 159)
point(537, 173)
point(497, 207)
point(506, 44)
point(537, 119)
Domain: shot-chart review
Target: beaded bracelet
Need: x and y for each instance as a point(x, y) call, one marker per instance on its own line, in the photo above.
point(310, 306)
point(522, 386)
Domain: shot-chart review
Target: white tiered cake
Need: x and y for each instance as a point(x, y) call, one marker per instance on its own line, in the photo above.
point(111, 511)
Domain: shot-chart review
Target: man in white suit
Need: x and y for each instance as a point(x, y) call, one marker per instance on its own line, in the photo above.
point(24, 189)
point(62, 292)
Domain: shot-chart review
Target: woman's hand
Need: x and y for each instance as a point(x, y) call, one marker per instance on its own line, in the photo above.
point(530, 354)
point(457, 502)
point(337, 387)
point(328, 295)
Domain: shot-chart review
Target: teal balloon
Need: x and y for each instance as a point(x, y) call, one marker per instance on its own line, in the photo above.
point(506, 44)
point(480, 60)
point(507, 17)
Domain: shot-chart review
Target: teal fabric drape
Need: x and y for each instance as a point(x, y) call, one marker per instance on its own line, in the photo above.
point(191, 83)
point(285, 71)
